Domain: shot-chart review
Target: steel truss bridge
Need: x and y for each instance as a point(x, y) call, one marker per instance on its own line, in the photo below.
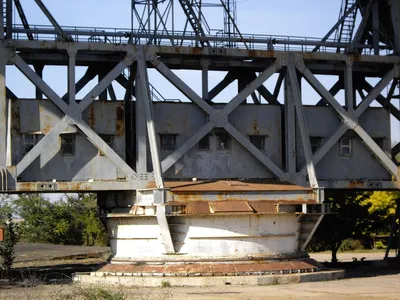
point(352, 51)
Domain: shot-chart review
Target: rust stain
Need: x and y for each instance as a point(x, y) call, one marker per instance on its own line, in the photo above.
point(119, 124)
point(228, 186)
point(230, 207)
point(355, 184)
point(205, 268)
point(92, 118)
point(255, 127)
point(47, 127)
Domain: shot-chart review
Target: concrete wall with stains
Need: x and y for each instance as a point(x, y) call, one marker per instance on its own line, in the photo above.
point(322, 122)
point(184, 119)
point(39, 116)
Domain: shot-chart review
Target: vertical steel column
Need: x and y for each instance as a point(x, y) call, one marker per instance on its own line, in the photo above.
point(142, 82)
point(39, 70)
point(395, 12)
point(103, 94)
point(375, 27)
point(141, 132)
point(71, 77)
point(2, 20)
point(9, 18)
point(290, 128)
point(348, 86)
point(3, 109)
point(204, 77)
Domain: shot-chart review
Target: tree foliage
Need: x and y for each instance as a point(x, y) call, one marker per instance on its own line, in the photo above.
point(7, 247)
point(351, 219)
point(358, 216)
point(70, 221)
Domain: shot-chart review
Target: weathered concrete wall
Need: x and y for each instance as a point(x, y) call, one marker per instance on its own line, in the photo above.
point(183, 120)
point(322, 122)
point(207, 236)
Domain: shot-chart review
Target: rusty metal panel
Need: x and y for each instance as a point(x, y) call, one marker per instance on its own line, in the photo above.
point(263, 206)
point(197, 208)
point(230, 207)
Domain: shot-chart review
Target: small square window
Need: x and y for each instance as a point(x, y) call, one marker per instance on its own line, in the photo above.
point(109, 139)
point(168, 141)
point(315, 143)
point(204, 143)
point(345, 147)
point(68, 144)
point(223, 141)
point(258, 141)
point(29, 141)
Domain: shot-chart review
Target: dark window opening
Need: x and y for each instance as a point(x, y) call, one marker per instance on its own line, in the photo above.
point(204, 143)
point(168, 141)
point(68, 144)
point(345, 147)
point(29, 141)
point(223, 141)
point(108, 139)
point(315, 143)
point(258, 141)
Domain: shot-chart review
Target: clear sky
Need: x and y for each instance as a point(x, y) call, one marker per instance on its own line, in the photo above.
point(311, 18)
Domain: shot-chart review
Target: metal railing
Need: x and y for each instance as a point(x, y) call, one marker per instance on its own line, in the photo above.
point(217, 39)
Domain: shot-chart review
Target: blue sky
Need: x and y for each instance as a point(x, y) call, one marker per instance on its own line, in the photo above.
point(309, 18)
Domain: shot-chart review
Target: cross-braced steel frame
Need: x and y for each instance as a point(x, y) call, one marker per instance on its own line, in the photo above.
point(258, 66)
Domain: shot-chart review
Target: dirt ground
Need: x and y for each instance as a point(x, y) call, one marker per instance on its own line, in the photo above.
point(51, 279)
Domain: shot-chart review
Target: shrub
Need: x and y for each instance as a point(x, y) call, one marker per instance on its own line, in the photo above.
point(351, 245)
point(7, 248)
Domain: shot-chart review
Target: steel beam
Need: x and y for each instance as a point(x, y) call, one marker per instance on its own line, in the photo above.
point(3, 113)
point(39, 83)
point(290, 128)
point(385, 102)
point(53, 21)
point(333, 91)
point(254, 150)
point(235, 102)
point(349, 87)
point(180, 85)
point(99, 143)
point(278, 85)
point(83, 81)
point(228, 79)
point(305, 138)
point(71, 78)
point(171, 159)
point(143, 83)
point(39, 70)
point(326, 147)
point(106, 81)
point(362, 107)
point(384, 159)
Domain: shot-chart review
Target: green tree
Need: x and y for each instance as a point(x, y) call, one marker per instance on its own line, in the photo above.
point(70, 221)
point(7, 247)
point(351, 219)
